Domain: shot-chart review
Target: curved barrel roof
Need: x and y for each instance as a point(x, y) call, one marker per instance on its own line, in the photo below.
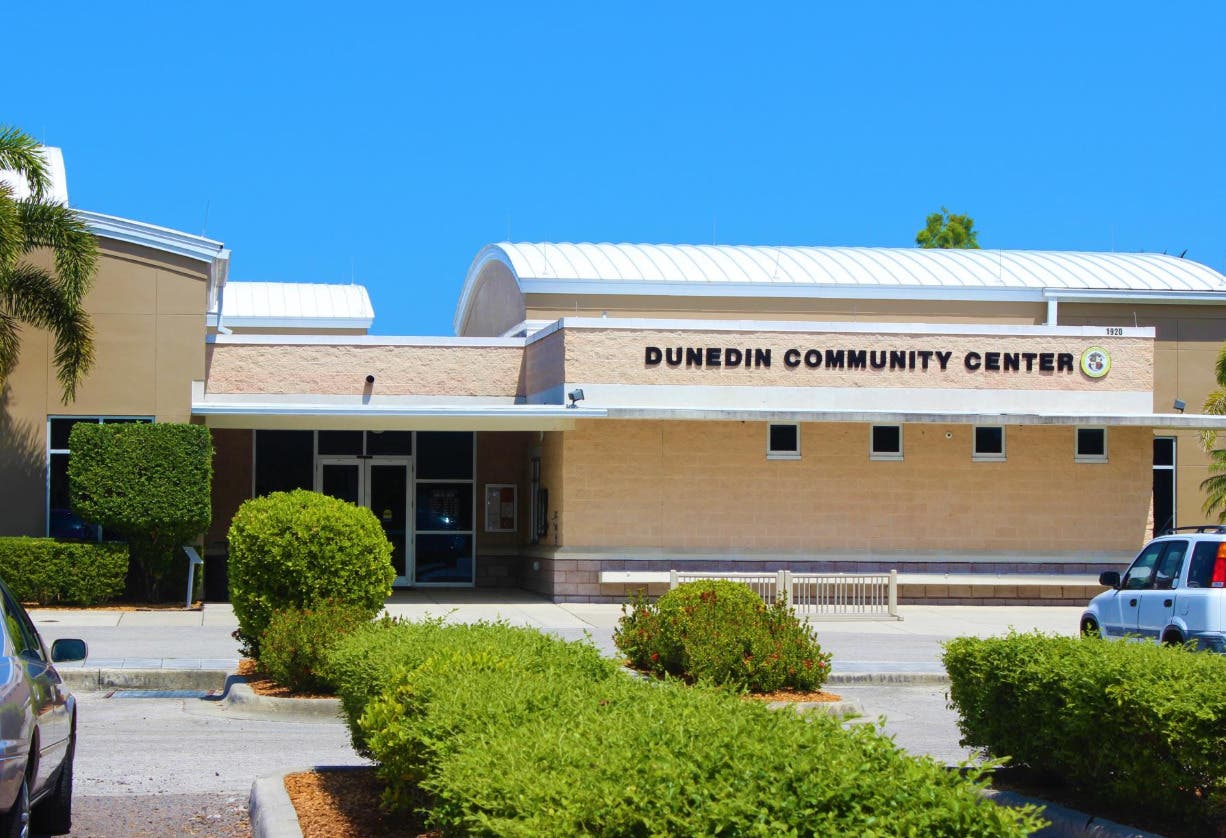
point(546, 267)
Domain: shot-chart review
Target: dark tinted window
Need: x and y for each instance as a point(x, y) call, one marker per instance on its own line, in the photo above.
point(389, 442)
point(784, 439)
point(887, 439)
point(444, 506)
point(1091, 442)
point(989, 441)
point(61, 428)
point(1200, 571)
point(284, 460)
point(1164, 451)
point(444, 455)
point(340, 442)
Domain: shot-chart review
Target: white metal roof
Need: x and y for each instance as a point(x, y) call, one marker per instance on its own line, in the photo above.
point(724, 270)
point(296, 305)
point(858, 266)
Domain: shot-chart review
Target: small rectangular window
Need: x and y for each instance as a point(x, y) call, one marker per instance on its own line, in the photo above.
point(783, 442)
point(989, 443)
point(1091, 445)
point(885, 442)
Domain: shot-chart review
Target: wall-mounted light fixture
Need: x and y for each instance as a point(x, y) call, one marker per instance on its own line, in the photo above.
point(370, 379)
point(575, 397)
point(1180, 404)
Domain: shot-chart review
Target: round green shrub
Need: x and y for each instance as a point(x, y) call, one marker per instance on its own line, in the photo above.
point(299, 548)
point(720, 631)
point(295, 646)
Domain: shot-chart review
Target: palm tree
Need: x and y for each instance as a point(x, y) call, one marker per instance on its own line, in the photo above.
point(1214, 486)
point(35, 296)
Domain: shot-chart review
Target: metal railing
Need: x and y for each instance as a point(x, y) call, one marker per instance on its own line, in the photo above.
point(828, 595)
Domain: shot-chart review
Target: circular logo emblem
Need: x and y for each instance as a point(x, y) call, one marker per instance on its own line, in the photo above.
point(1095, 362)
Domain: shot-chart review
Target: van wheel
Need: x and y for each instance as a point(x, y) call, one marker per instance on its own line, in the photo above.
point(1089, 627)
point(1172, 638)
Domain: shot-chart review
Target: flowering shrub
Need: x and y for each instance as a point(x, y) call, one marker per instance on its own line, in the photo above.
point(295, 644)
point(720, 631)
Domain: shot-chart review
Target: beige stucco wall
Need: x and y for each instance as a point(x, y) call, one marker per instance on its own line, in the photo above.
point(545, 363)
point(1189, 339)
point(147, 309)
point(708, 485)
point(497, 304)
point(616, 356)
point(341, 369)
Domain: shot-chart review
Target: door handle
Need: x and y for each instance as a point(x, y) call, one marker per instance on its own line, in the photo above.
point(1167, 603)
point(1133, 602)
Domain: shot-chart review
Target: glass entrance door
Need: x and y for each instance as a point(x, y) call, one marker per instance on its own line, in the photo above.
point(382, 485)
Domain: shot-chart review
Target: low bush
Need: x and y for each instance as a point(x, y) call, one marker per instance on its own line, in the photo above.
point(719, 631)
point(363, 664)
point(1135, 726)
point(53, 572)
point(295, 645)
point(513, 735)
point(297, 549)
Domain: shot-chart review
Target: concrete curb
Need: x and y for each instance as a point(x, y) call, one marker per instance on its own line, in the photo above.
point(829, 708)
point(269, 807)
point(89, 679)
point(273, 816)
point(1068, 823)
point(899, 679)
point(240, 696)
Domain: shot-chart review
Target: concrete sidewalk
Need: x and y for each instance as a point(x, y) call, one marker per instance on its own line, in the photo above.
point(201, 640)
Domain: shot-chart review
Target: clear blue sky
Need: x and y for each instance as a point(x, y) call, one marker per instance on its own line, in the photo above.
point(324, 142)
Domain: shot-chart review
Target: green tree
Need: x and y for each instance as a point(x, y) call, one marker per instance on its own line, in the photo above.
point(152, 484)
point(1214, 486)
point(949, 231)
point(33, 295)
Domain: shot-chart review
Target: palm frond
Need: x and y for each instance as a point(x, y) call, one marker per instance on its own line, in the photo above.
point(32, 295)
point(1215, 405)
point(1214, 486)
point(10, 344)
point(12, 237)
point(48, 224)
point(21, 153)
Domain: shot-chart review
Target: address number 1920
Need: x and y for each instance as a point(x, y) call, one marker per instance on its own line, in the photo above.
point(1115, 330)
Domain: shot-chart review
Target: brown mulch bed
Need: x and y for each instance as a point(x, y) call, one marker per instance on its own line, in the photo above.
point(118, 606)
point(261, 684)
point(345, 804)
point(794, 695)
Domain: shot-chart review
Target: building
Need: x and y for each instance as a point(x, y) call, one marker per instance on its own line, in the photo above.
point(609, 409)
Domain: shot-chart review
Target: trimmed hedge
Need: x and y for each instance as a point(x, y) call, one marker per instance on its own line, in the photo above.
point(362, 664)
point(299, 548)
point(52, 572)
point(149, 482)
point(720, 631)
point(512, 733)
point(1136, 725)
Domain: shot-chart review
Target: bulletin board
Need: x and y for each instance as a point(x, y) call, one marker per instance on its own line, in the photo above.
point(500, 507)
